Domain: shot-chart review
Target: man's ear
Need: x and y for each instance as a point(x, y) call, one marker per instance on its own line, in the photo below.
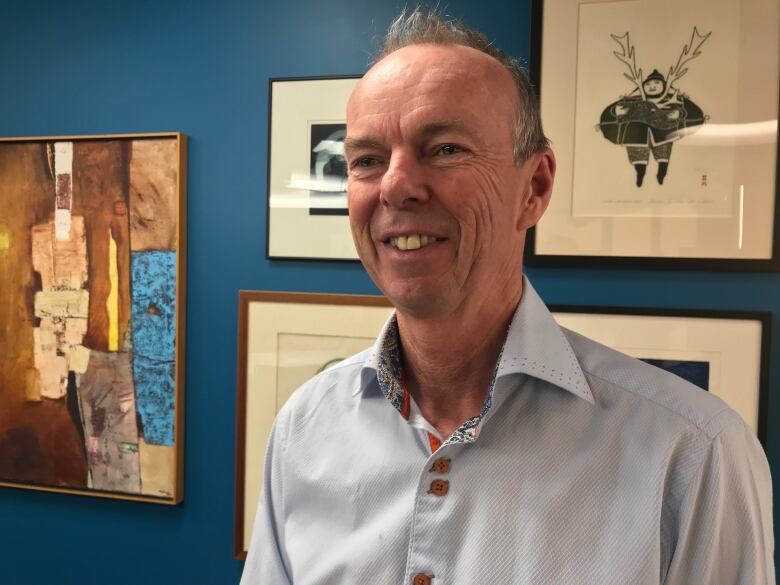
point(541, 167)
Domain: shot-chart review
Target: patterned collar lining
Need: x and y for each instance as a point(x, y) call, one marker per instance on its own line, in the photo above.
point(389, 373)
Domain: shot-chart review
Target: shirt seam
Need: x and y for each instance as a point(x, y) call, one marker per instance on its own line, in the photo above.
point(702, 428)
point(712, 440)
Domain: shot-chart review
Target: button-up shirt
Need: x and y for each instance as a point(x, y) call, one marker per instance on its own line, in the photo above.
point(585, 466)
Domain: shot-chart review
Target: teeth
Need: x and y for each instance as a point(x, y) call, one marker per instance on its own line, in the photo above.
point(411, 242)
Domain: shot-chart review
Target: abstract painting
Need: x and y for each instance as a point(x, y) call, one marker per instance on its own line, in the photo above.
point(91, 345)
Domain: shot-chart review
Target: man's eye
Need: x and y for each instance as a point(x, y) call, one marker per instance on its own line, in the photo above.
point(364, 162)
point(447, 149)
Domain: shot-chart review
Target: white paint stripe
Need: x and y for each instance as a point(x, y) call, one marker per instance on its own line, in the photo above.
point(62, 224)
point(63, 158)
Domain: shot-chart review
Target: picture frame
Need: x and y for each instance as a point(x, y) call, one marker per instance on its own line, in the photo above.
point(705, 144)
point(92, 327)
point(307, 171)
point(284, 339)
point(727, 350)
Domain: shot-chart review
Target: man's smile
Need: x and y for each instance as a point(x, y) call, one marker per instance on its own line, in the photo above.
point(411, 241)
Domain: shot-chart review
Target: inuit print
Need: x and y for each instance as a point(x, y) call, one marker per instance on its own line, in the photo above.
point(655, 113)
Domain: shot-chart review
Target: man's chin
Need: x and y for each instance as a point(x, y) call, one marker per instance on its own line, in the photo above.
point(417, 302)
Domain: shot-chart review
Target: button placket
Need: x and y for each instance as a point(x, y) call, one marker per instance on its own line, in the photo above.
point(423, 554)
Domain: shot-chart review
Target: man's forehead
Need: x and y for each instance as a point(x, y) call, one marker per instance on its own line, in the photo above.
point(434, 65)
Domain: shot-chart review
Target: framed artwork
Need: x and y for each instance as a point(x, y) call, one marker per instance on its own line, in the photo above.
point(283, 340)
point(307, 171)
point(726, 353)
point(92, 275)
point(664, 130)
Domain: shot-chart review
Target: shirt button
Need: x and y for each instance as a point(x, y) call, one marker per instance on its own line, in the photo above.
point(421, 579)
point(441, 465)
point(439, 487)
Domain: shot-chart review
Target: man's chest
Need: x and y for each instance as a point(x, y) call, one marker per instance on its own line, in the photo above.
point(488, 512)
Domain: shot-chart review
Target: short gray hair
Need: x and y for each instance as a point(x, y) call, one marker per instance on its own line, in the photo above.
point(429, 26)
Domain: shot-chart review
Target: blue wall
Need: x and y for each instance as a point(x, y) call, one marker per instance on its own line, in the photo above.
point(202, 68)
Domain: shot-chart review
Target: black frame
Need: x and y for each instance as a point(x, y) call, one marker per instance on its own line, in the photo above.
point(727, 264)
point(763, 317)
point(271, 81)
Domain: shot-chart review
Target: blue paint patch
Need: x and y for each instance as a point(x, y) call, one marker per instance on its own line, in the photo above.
point(153, 316)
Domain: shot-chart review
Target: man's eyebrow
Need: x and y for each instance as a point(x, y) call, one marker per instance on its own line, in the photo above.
point(360, 143)
point(427, 130)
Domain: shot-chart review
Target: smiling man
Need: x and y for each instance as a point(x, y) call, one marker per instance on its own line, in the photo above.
point(477, 441)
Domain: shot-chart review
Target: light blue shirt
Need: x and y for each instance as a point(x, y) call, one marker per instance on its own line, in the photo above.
point(585, 467)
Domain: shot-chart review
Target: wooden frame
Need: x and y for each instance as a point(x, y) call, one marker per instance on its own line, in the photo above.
point(306, 213)
point(715, 207)
point(346, 322)
point(735, 345)
point(105, 188)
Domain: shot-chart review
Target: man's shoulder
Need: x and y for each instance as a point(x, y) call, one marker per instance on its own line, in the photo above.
point(331, 388)
point(613, 375)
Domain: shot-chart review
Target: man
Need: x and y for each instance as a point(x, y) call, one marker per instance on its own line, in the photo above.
point(477, 442)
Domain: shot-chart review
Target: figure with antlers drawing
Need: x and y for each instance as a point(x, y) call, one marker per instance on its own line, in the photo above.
point(655, 114)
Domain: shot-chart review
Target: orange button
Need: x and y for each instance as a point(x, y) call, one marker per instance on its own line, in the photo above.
point(439, 487)
point(422, 579)
point(441, 465)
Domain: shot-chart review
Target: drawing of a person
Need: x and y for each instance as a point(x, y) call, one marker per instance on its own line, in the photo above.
point(649, 119)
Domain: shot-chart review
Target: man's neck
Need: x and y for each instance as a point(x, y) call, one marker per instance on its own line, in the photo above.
point(449, 361)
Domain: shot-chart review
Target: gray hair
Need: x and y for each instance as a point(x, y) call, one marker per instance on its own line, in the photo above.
point(429, 26)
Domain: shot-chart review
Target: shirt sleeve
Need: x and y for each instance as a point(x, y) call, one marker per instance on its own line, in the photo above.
point(266, 561)
point(725, 522)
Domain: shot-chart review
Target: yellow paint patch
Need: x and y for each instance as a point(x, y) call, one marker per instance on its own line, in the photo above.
point(158, 463)
point(112, 303)
point(5, 239)
point(32, 388)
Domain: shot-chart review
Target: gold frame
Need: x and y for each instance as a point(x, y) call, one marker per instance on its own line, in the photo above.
point(181, 279)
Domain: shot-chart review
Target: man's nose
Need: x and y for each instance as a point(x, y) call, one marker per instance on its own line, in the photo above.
point(404, 182)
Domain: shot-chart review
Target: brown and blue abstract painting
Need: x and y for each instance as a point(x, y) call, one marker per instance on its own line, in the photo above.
point(90, 250)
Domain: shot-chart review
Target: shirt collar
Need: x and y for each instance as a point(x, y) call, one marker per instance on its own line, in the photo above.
point(535, 345)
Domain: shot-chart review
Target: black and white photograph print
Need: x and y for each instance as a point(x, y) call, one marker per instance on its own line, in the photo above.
point(307, 171)
point(328, 168)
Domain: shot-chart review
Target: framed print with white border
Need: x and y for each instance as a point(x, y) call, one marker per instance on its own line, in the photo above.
point(307, 171)
point(283, 340)
point(663, 119)
point(726, 353)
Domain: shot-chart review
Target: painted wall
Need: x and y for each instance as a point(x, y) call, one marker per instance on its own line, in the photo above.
point(202, 68)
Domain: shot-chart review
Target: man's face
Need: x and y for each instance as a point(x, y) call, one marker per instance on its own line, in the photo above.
point(430, 154)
